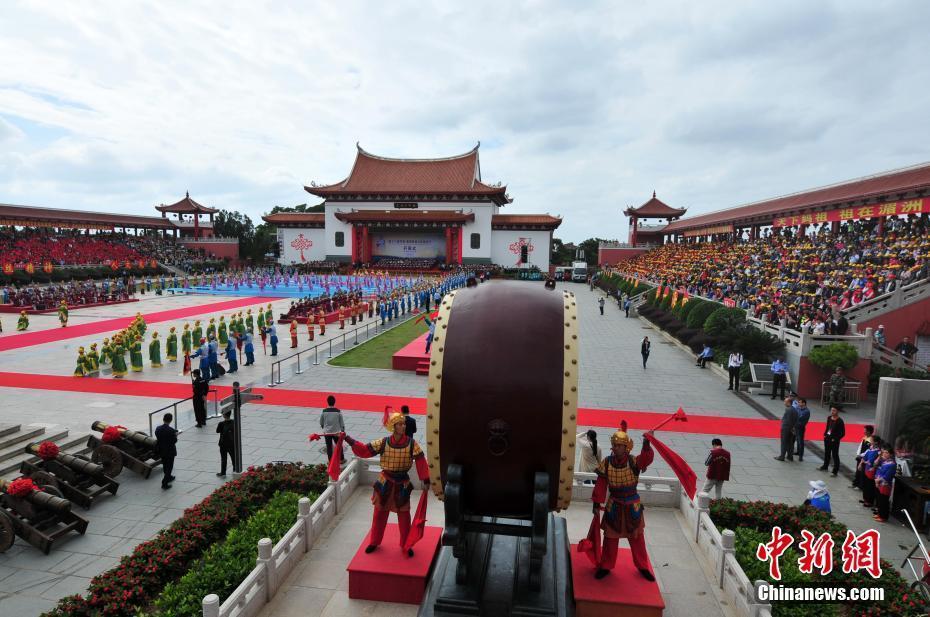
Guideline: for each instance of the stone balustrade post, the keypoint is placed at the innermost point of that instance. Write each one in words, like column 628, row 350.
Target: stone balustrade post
column 303, row 515
column 265, row 561
column 211, row 605
column 728, row 547
column 703, row 507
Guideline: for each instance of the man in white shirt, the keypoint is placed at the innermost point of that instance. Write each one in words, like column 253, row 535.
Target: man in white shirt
column 734, row 364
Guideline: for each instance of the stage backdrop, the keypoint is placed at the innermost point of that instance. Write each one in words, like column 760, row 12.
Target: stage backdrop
column 405, row 244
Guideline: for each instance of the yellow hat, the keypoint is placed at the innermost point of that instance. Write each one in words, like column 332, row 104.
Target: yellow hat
column 154, row 334
column 620, row 437
column 80, row 350
column 393, row 420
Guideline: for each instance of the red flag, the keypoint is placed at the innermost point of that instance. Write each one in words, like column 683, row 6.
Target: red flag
column 334, row 463
column 591, row 546
column 418, row 526
column 387, row 415
column 685, row 474
column 187, row 363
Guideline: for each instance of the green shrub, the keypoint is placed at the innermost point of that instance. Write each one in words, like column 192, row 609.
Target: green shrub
column 828, row 357
column 756, row 345
column 225, row 565
column 725, row 322
column 686, row 309
column 877, row 371
column 666, row 303
column 700, row 313
column 651, row 296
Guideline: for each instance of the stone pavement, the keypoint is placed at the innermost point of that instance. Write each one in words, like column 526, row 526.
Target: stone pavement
column 611, row 377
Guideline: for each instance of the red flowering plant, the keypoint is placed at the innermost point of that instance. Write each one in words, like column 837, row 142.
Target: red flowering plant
column 21, row 487
column 133, row 585
column 48, row 450
column 762, row 516
column 112, row 433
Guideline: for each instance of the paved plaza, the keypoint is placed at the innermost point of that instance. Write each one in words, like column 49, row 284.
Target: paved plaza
column 612, row 377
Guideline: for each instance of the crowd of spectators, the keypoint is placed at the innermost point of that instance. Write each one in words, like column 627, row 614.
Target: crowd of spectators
column 74, row 294
column 62, row 248
column 78, row 248
column 799, row 281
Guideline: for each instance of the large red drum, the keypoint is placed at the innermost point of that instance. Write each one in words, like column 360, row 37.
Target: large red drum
column 503, row 395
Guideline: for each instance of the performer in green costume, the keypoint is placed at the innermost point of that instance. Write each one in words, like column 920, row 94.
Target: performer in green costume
column 171, row 345
column 135, row 354
column 155, row 351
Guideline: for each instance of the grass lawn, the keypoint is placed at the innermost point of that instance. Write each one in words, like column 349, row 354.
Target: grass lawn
column 377, row 352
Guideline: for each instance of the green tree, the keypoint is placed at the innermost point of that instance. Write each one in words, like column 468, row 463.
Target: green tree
column 828, row 357
column 561, row 254
column 589, row 247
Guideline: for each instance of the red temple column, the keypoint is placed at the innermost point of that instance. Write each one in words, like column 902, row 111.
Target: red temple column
column 354, row 245
column 460, row 233
column 448, row 245
column 635, row 225
column 196, row 225
column 364, row 253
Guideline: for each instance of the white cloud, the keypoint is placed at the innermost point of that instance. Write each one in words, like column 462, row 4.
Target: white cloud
column 581, row 109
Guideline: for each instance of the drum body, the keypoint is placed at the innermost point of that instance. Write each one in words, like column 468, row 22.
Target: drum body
column 503, row 395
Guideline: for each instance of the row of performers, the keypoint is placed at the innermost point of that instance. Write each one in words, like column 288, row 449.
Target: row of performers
column 22, row 324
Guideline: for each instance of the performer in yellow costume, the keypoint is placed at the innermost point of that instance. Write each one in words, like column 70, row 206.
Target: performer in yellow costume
column 392, row 489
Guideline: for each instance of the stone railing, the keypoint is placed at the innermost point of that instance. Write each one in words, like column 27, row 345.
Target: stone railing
column 276, row 562
column 801, row 343
column 720, row 549
column 885, row 303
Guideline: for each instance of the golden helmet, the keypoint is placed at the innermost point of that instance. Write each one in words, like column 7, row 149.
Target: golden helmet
column 393, row 420
column 620, row 437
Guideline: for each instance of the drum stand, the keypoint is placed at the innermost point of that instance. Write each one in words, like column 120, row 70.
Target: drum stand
column 498, row 565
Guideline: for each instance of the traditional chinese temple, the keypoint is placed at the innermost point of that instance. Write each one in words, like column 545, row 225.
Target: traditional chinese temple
column 431, row 210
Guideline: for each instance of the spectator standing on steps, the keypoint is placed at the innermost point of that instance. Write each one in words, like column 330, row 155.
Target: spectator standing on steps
column 779, row 377
column 644, row 350
column 626, row 305
column 332, row 424
column 789, row 423
column 734, row 365
column 833, row 434
column 167, row 439
column 906, row 349
column 600, row 304
column 718, row 468
column 804, row 416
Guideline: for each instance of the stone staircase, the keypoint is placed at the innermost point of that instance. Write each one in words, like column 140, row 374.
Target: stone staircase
column 422, row 367
column 15, row 437
column 180, row 273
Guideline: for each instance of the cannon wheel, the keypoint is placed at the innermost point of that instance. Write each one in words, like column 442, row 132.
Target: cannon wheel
column 7, row 535
column 111, row 459
column 44, row 478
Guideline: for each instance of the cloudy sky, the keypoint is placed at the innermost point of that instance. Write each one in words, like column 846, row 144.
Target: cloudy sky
column 581, row 108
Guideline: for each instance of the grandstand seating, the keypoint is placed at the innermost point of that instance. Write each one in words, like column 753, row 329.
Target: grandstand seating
column 796, row 281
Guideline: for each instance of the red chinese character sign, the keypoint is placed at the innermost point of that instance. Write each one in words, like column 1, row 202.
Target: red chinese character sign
column 29, row 268
column 47, row 267
column 302, row 243
column 891, row 208
column 517, row 249
column 8, row 268
column 858, row 552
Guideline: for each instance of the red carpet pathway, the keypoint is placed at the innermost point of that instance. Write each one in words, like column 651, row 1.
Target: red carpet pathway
column 374, row 403
column 39, row 337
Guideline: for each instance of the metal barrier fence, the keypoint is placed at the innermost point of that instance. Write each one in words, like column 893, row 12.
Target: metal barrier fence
column 370, row 330
column 213, row 411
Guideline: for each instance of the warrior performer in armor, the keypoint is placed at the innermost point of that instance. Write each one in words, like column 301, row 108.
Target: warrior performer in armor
column 617, row 477
column 392, row 489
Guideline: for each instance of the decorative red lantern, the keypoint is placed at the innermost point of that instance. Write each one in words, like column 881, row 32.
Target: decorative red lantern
column 47, row 267
column 153, row 263
column 141, row 264
column 8, row 268
column 114, row 265
column 29, row 268
column 128, row 264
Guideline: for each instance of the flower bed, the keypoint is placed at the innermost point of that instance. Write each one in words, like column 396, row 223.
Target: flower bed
column 138, row 579
column 753, row 522
column 224, row 566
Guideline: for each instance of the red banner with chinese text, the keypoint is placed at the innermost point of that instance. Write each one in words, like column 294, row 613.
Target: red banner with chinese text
column 29, row 268
column 47, row 267
column 891, row 208
column 8, row 268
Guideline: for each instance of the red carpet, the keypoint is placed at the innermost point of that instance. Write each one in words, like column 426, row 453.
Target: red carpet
column 388, row 575
column 623, row 592
column 312, row 401
column 40, row 337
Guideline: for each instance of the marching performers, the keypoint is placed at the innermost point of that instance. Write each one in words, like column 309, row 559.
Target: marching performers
column 93, row 361
column 197, row 332
column 63, row 314
column 321, row 320
column 269, row 316
column 392, row 489
column 171, row 345
column 105, row 351
column 221, row 332
column 261, row 320
column 135, row 354
column 310, row 327
column 23, row 322
column 80, row 369
column 118, row 357
column 186, row 340
column 250, row 322
column 155, row 351
column 211, row 329
column 617, row 477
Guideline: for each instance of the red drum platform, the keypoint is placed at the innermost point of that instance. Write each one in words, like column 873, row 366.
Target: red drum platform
column 388, row 575
column 622, row 592
column 411, row 357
